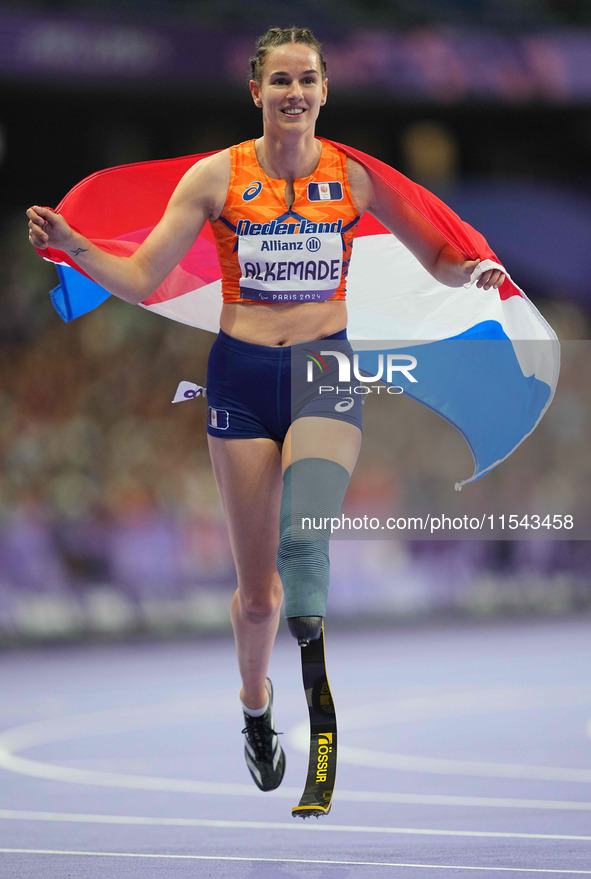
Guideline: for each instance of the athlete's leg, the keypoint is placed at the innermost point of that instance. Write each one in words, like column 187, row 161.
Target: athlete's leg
column 319, row 455
column 248, row 474
column 317, row 437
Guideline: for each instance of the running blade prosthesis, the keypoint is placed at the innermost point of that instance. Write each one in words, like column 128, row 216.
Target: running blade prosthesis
column 322, row 766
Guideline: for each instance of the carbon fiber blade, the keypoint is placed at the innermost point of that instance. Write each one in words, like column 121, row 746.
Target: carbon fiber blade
column 322, row 765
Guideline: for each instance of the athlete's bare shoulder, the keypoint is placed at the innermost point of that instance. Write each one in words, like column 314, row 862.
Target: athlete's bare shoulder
column 360, row 183
column 207, row 181
column 216, row 165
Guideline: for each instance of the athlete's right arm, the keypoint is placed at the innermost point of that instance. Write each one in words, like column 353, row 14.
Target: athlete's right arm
column 199, row 195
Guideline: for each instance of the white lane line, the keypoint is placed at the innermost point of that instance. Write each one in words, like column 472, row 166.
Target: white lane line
column 40, row 851
column 421, row 708
column 441, row 766
column 55, row 772
column 119, row 780
column 141, row 820
column 449, row 800
column 347, row 754
column 66, row 728
column 434, row 705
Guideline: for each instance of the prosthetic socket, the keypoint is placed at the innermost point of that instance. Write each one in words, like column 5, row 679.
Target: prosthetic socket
column 313, row 493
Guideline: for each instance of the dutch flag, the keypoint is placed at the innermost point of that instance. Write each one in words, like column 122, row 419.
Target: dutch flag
column 487, row 360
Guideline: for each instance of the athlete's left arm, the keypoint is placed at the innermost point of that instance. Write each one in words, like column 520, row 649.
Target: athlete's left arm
column 371, row 194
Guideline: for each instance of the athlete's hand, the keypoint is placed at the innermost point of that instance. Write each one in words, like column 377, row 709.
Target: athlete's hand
column 48, row 229
column 490, row 278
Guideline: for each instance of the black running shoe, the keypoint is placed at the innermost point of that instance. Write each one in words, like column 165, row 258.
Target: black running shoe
column 264, row 755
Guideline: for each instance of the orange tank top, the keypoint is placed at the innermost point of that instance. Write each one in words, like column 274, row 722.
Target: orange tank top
column 272, row 253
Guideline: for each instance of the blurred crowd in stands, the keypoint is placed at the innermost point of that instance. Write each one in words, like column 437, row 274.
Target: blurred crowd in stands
column 107, row 493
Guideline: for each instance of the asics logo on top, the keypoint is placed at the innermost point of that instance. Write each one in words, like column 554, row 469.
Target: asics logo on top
column 253, row 190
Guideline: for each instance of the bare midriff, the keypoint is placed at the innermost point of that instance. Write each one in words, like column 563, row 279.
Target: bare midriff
column 283, row 324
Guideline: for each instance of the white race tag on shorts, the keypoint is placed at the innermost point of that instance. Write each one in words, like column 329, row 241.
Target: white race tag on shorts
column 188, row 391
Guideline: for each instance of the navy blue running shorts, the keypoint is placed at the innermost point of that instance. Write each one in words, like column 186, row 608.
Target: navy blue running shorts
column 259, row 391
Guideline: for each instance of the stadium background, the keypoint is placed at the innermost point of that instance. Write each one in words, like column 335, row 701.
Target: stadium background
column 110, row 523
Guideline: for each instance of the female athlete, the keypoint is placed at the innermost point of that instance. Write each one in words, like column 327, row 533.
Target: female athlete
column 285, row 191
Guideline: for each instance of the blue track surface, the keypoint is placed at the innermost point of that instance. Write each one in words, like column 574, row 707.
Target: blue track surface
column 464, row 751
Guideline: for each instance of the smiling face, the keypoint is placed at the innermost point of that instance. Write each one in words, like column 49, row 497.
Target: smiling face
column 292, row 88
